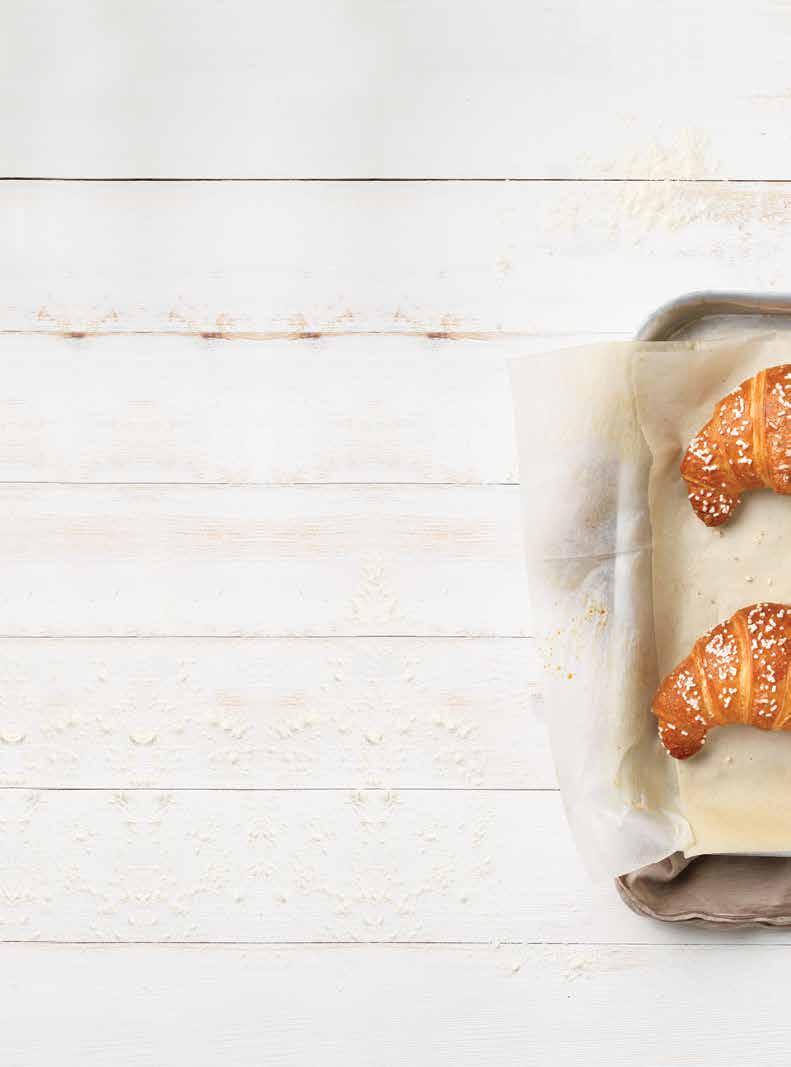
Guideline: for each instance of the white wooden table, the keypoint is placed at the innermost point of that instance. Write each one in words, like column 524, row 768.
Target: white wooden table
column 272, row 789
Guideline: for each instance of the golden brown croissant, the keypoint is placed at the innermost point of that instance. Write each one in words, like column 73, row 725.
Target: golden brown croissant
column 736, row 673
column 746, row 444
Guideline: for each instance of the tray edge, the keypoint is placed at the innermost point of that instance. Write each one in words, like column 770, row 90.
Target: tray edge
column 670, row 318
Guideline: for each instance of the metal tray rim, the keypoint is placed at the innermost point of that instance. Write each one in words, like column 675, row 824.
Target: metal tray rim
column 678, row 314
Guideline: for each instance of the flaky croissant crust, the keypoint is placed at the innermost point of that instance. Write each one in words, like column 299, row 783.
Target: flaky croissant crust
column 746, row 444
column 736, row 673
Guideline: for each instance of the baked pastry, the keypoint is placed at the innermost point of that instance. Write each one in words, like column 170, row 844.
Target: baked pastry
column 746, row 444
column 736, row 673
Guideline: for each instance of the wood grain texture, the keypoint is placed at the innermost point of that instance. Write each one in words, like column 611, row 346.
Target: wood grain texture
column 689, row 88
column 647, row 101
column 187, row 409
column 450, row 1007
column 270, row 713
column 301, row 257
column 222, row 561
column 299, row 866
column 414, row 866
column 296, row 866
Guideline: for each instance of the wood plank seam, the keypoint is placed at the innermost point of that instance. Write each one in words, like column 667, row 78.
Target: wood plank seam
column 385, row 789
column 414, row 180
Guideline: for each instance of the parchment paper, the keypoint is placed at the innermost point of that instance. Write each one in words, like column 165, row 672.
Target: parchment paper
column 623, row 578
column 736, row 794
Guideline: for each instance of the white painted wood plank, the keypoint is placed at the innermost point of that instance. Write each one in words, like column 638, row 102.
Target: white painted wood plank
column 416, row 866
column 389, row 1005
column 270, row 713
column 425, row 257
column 137, row 408
column 294, row 866
column 227, row 561
column 686, row 87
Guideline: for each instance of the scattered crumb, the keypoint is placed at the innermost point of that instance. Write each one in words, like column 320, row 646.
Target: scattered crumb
column 578, row 966
column 596, row 611
column 748, row 578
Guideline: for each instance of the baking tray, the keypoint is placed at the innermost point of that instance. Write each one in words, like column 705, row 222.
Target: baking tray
column 708, row 314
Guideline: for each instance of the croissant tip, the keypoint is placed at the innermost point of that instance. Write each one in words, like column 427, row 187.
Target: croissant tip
column 681, row 750
column 685, row 754
column 714, row 520
column 713, row 507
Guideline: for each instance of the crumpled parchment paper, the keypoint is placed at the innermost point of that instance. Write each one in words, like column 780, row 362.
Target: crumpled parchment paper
column 623, row 578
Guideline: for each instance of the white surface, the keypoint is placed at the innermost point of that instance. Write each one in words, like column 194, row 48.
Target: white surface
column 446, row 1006
column 413, row 89
column 304, row 561
column 295, row 257
column 327, row 410
column 280, row 713
column 320, row 730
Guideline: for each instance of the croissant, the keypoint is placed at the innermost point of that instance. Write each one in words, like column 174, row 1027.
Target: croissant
column 736, row 673
column 746, row 444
